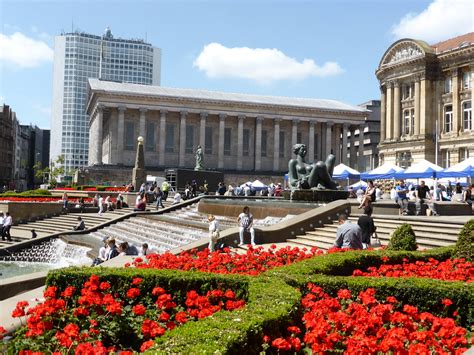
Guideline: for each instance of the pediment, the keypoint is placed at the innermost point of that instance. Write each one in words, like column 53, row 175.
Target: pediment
column 402, row 51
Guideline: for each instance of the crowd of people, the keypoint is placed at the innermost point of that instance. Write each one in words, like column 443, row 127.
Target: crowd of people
column 420, row 194
column 110, row 250
column 272, row 190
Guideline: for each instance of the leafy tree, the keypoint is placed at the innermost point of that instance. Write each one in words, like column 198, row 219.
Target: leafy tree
column 53, row 171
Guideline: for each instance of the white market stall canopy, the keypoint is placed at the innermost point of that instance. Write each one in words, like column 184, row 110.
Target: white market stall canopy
column 342, row 172
column 462, row 169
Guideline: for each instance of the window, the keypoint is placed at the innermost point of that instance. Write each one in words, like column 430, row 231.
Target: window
column 412, row 125
column 169, row 144
column 404, row 159
column 246, row 142
column 150, row 137
column 466, row 80
column 129, row 135
column 448, row 118
column 189, row 145
column 445, row 158
column 281, row 148
column 227, row 140
column 208, row 149
column 448, row 85
column 463, row 154
column 264, row 143
column 406, row 122
column 407, row 91
column 467, row 115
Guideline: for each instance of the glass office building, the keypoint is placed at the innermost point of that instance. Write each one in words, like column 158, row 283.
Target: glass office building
column 79, row 56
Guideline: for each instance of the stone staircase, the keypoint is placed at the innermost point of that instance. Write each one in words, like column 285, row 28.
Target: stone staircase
column 64, row 222
column 430, row 232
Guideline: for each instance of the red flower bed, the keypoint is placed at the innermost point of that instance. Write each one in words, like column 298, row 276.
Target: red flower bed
column 449, row 270
column 95, row 320
column 253, row 262
column 368, row 326
column 42, row 199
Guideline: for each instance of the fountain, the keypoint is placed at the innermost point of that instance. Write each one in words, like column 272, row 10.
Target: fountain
column 48, row 255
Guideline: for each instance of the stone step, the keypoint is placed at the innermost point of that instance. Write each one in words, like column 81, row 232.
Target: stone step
column 435, row 221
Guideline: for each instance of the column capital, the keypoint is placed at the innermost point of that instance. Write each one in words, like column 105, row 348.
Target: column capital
column 345, row 125
column 100, row 107
column 295, row 122
column 241, row 117
column 222, row 116
column 121, row 108
column 277, row 119
column 163, row 112
column 311, row 123
column 454, row 72
column 203, row 114
column 260, row 119
column 183, row 114
column 329, row 123
column 143, row 110
column 396, row 84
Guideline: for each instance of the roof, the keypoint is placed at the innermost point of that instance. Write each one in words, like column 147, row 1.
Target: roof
column 160, row 91
column 454, row 43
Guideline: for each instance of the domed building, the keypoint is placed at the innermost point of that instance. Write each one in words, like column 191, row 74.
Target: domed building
column 426, row 103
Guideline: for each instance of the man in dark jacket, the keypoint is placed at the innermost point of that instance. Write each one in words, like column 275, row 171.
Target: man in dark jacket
column 366, row 224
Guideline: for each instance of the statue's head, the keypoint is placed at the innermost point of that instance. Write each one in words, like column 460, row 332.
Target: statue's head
column 299, row 149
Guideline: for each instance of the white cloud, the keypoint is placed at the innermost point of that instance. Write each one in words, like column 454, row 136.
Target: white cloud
column 263, row 65
column 441, row 20
column 23, row 51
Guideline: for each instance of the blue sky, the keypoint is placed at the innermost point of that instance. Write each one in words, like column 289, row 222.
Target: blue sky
column 319, row 49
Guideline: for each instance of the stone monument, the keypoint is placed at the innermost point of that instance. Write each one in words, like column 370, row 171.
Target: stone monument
column 139, row 173
column 312, row 181
column 199, row 159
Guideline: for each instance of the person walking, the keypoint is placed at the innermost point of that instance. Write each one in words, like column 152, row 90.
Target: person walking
column 7, row 224
column 101, row 205
column 245, row 221
column 165, row 187
column 65, row 202
column 367, row 226
column 213, row 231
column 349, row 235
column 159, row 197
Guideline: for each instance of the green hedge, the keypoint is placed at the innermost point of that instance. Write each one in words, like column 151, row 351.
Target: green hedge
column 273, row 298
column 28, row 193
column 271, row 305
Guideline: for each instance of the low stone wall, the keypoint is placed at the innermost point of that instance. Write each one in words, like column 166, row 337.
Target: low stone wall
column 260, row 207
column 30, row 211
column 19, row 284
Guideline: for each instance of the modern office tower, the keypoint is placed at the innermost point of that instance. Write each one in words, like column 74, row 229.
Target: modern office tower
column 79, row 56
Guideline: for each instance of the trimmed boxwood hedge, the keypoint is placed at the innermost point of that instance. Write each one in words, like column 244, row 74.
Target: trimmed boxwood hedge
column 273, row 298
column 28, row 193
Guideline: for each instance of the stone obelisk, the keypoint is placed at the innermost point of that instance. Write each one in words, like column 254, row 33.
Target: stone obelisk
column 139, row 173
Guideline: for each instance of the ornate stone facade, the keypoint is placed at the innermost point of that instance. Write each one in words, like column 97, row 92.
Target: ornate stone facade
column 237, row 132
column 426, row 103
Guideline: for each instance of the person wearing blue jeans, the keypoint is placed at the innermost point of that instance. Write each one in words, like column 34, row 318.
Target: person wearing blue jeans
column 245, row 221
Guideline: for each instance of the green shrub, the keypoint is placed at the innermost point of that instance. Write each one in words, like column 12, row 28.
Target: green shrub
column 403, row 238
column 28, row 193
column 465, row 244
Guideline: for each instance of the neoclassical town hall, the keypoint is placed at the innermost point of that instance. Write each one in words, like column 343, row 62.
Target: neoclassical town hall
column 237, row 132
column 426, row 105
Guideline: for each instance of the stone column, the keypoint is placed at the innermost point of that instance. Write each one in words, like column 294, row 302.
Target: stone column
column 276, row 145
column 240, row 141
column 161, row 145
column 352, row 152
column 142, row 122
column 344, row 143
column 396, row 111
column 383, row 113
column 361, row 147
column 329, row 149
column 389, row 112
column 417, row 107
column 423, row 106
column 202, row 131
column 258, row 144
column 100, row 124
column 294, row 132
column 337, row 142
column 311, row 142
column 182, row 138
column 220, row 162
column 323, row 153
column 457, row 125
column 120, row 133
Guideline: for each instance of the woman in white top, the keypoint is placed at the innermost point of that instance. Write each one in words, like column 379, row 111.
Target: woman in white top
column 213, row 231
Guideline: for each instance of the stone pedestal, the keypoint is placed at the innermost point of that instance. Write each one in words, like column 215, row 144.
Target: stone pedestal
column 139, row 172
column 315, row 195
